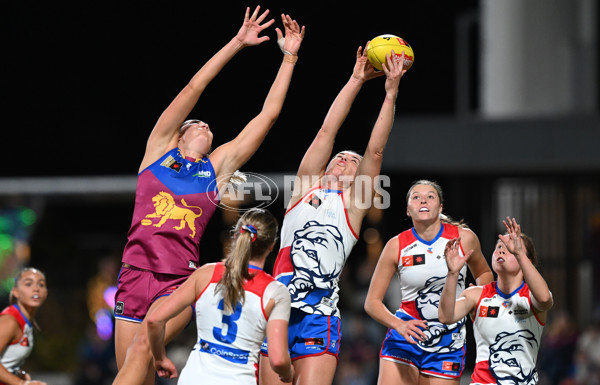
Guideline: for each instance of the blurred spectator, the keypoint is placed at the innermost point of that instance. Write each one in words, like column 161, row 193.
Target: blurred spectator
column 100, row 296
column 587, row 356
column 96, row 351
column 96, row 357
column 359, row 354
column 558, row 347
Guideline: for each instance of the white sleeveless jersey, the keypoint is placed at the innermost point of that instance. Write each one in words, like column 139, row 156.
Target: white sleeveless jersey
column 422, row 272
column 14, row 355
column 316, row 239
column 228, row 344
column 508, row 334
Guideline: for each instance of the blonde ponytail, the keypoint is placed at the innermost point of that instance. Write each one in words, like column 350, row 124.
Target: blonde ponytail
column 253, row 235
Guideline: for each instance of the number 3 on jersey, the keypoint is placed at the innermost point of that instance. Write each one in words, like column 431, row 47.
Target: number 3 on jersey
column 228, row 320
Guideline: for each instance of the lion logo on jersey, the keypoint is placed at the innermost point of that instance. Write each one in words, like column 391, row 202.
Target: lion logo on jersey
column 314, row 276
column 427, row 303
column 506, row 363
column 165, row 208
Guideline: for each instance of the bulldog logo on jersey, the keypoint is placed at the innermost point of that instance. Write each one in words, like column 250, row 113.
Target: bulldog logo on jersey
column 166, row 209
column 314, row 277
column 439, row 337
column 505, row 361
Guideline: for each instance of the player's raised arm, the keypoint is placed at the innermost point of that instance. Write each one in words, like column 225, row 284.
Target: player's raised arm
column 232, row 155
column 166, row 132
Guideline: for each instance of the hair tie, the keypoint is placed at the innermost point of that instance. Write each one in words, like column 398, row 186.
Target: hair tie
column 251, row 229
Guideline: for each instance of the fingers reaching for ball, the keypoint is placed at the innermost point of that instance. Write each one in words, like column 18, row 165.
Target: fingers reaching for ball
column 252, row 27
column 294, row 35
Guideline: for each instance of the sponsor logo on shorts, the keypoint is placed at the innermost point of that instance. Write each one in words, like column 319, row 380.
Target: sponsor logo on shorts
column 451, row 366
column 119, row 307
column 313, row 341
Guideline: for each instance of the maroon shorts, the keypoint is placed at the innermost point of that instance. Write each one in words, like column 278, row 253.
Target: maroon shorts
column 137, row 289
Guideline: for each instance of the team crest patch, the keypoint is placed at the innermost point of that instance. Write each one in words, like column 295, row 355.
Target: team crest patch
column 165, row 208
column 413, row 260
column 119, row 307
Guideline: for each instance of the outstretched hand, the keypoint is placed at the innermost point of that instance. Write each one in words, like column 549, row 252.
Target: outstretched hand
column 363, row 69
column 512, row 240
column 293, row 35
column 394, row 70
column 249, row 31
column 454, row 260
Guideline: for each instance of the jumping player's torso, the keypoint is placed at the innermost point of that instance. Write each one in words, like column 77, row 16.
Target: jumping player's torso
column 422, row 272
column 228, row 344
column 508, row 335
column 15, row 354
column 175, row 199
column 316, row 240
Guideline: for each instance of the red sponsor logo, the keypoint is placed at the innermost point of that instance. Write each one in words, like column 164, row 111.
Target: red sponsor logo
column 451, row 366
column 489, row 311
column 413, row 260
column 313, row 341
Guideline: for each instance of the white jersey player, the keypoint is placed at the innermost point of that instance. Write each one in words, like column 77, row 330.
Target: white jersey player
column 316, row 240
column 417, row 347
column 17, row 324
column 508, row 315
column 237, row 305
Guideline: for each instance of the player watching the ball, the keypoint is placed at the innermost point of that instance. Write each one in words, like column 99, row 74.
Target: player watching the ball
column 321, row 225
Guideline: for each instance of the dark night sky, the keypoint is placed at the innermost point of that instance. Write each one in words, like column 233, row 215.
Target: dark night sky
column 84, row 82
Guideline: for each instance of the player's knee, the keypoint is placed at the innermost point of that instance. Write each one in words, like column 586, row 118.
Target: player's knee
column 141, row 345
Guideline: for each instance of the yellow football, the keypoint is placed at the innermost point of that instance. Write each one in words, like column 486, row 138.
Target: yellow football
column 383, row 45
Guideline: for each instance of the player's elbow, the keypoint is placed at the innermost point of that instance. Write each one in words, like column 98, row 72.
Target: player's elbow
column 376, row 153
column 369, row 306
column 546, row 302
column 279, row 362
column 444, row 318
column 270, row 115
